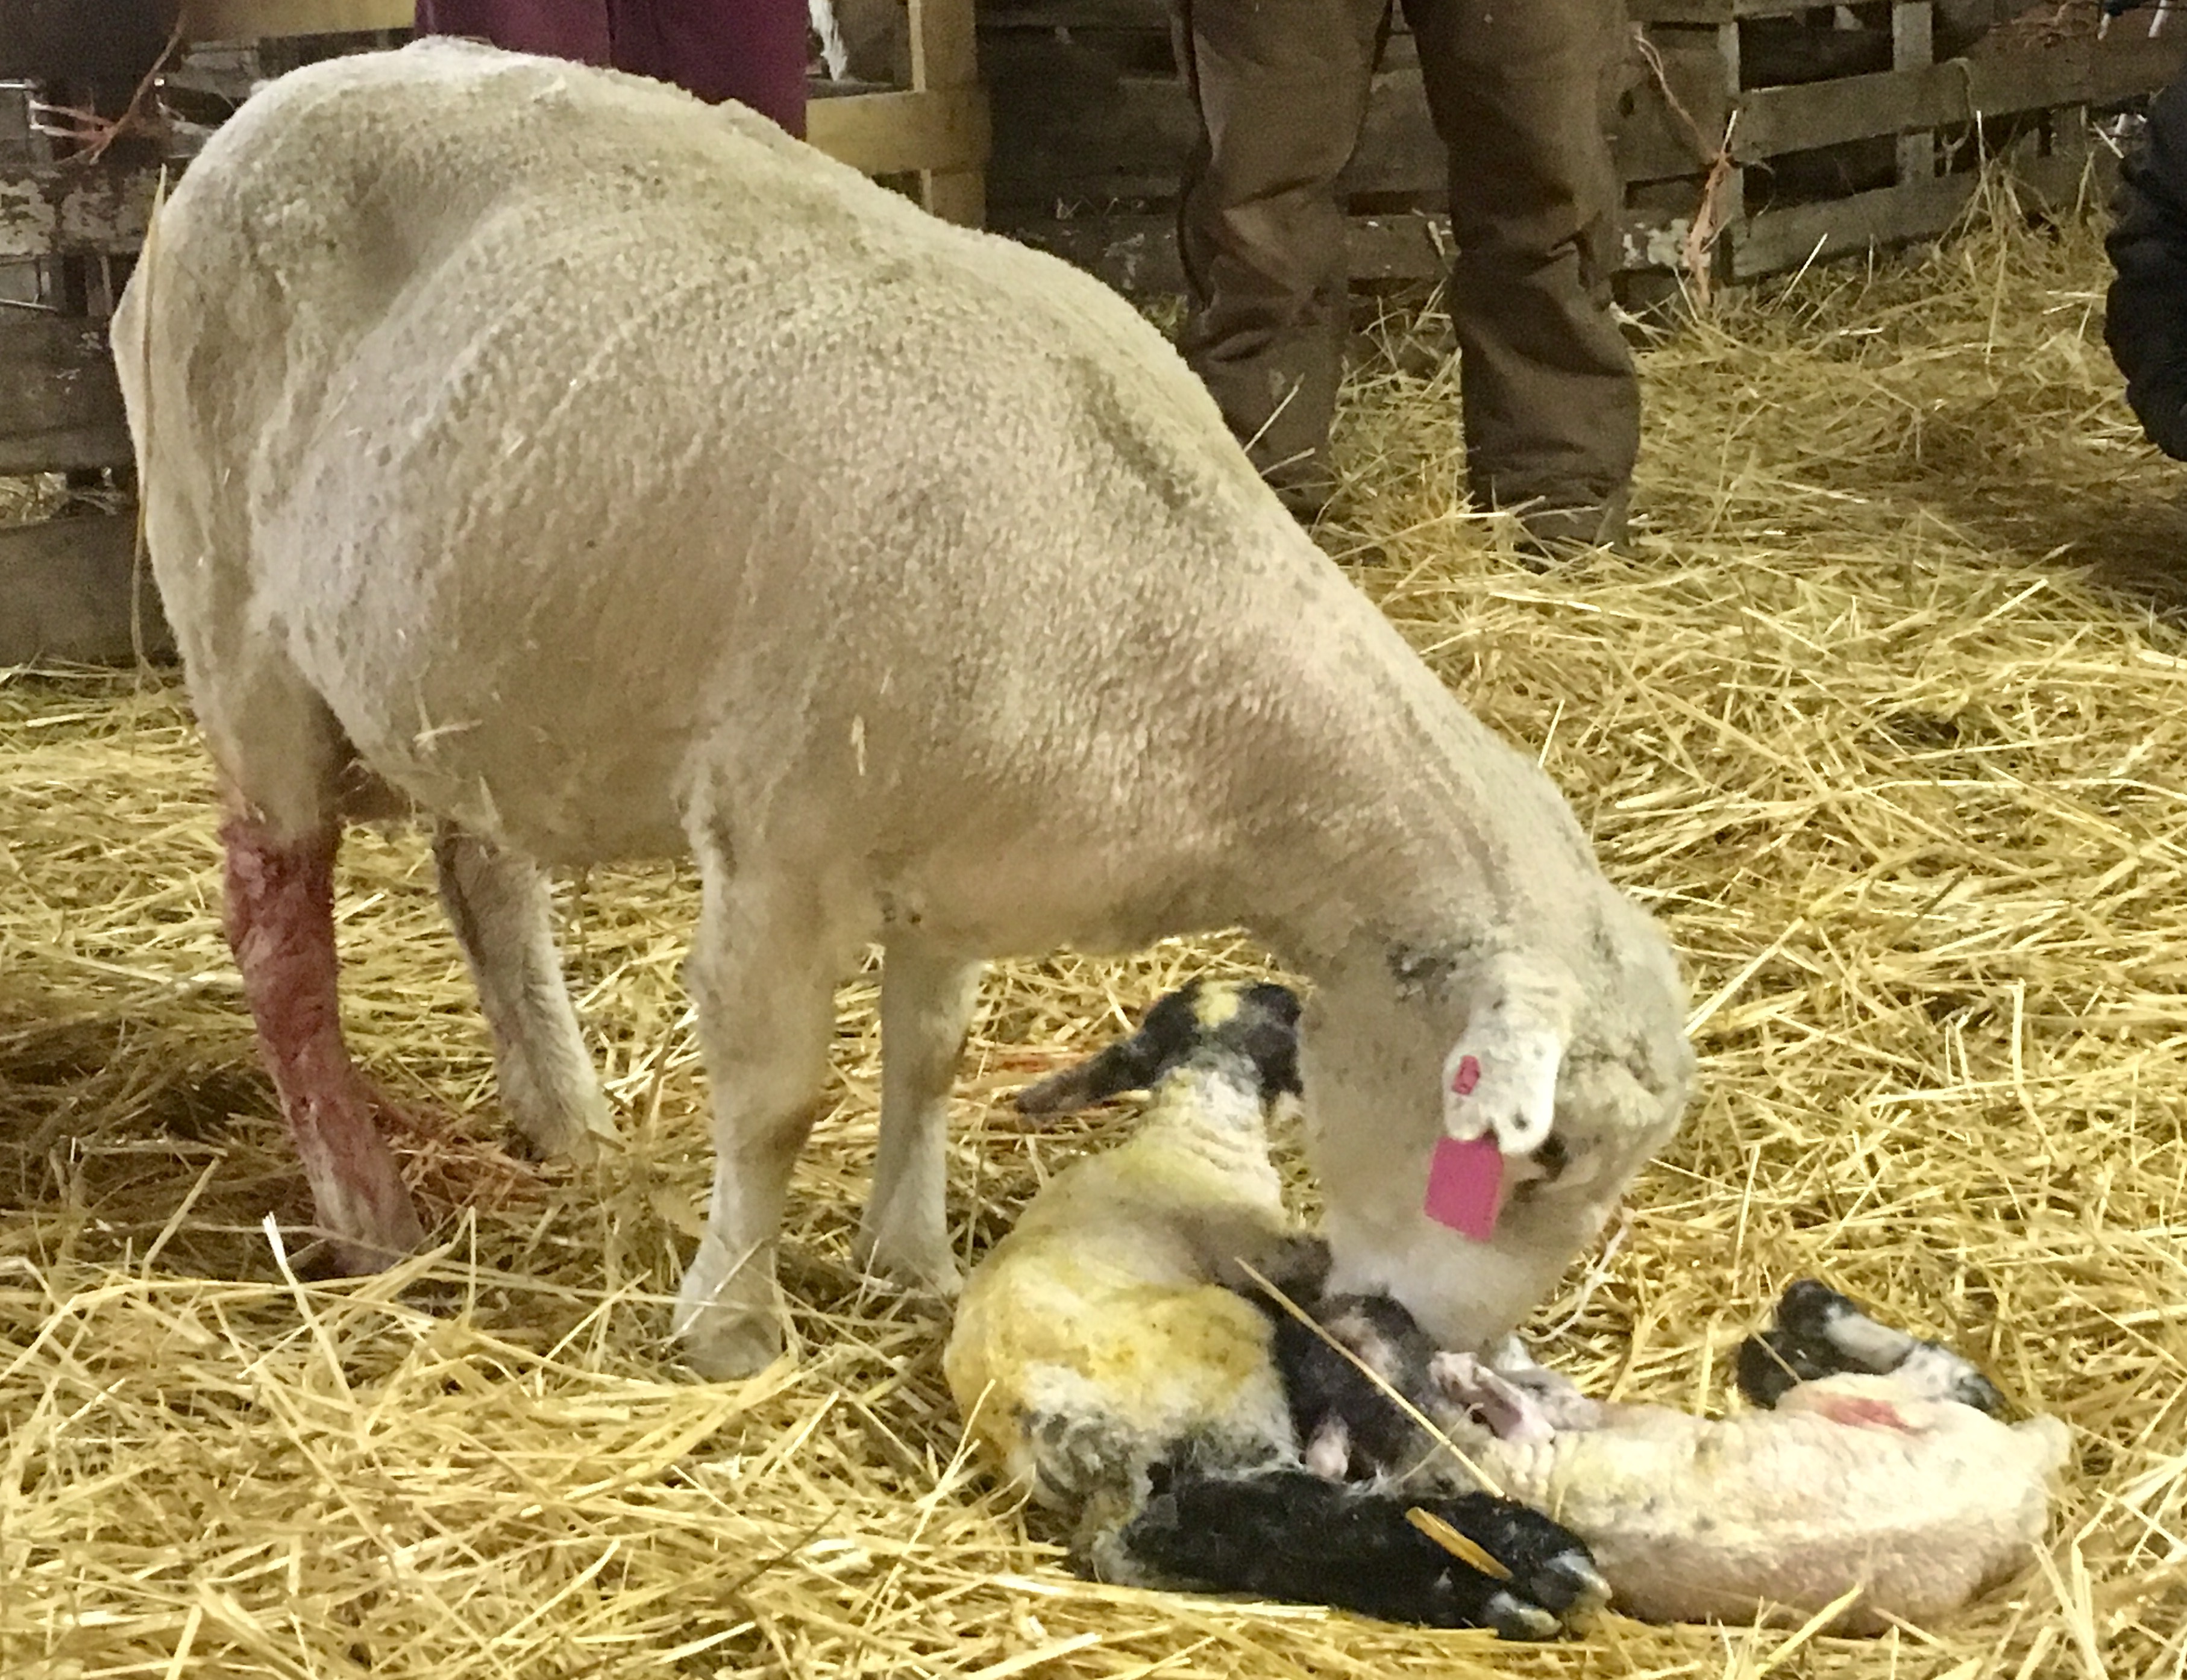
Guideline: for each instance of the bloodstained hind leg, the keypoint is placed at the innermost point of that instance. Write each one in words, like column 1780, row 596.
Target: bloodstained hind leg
column 280, row 924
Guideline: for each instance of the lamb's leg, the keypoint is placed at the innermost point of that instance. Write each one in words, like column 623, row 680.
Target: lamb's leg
column 927, row 1000
column 1819, row 1333
column 1509, row 1410
column 279, row 917
column 761, row 973
column 499, row 905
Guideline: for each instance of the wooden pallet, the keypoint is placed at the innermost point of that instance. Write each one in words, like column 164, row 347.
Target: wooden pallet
column 1907, row 134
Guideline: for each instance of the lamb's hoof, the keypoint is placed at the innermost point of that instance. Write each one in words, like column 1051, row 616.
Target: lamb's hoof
column 1550, row 1583
column 1560, row 1595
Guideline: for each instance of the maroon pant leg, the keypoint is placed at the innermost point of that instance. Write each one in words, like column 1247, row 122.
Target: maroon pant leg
column 556, row 29
column 751, row 51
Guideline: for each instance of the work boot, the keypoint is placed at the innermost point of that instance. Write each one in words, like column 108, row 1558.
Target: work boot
column 1550, row 533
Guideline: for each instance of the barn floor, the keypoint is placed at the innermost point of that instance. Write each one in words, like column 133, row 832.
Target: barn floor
column 1880, row 719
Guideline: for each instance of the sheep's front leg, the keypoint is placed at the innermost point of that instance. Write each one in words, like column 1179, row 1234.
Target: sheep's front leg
column 761, row 974
column 499, row 905
column 927, row 1000
column 280, row 922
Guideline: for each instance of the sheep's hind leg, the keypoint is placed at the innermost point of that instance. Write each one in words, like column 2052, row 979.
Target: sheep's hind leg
column 927, row 1001
column 761, row 972
column 499, row 905
column 279, row 920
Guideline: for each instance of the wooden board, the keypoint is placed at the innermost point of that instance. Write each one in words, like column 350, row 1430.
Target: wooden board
column 262, row 19
column 74, row 210
column 1137, row 252
column 65, row 591
column 60, row 406
column 1776, row 241
column 1773, row 120
column 901, row 132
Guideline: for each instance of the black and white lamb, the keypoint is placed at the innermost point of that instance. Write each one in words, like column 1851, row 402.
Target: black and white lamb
column 1101, row 1354
column 1874, row 1463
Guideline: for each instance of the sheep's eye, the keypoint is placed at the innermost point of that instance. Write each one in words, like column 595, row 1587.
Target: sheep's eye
column 1551, row 1157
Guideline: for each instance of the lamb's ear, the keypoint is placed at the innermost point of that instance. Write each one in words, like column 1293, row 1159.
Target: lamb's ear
column 1118, row 1069
column 1132, row 1063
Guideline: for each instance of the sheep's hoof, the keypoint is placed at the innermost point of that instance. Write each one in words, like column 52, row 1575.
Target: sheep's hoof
column 727, row 1346
column 927, row 1266
column 727, row 1317
column 580, row 1139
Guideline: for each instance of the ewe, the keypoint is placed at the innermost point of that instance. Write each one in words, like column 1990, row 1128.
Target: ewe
column 609, row 476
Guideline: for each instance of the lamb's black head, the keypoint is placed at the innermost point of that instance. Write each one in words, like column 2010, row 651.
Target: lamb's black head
column 1346, row 1423
column 1253, row 1024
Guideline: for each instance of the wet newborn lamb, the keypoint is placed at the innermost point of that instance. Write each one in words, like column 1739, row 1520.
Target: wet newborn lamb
column 1883, row 1465
column 1098, row 1354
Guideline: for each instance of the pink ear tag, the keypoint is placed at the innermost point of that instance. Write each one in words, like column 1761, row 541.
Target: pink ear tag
column 1466, row 1186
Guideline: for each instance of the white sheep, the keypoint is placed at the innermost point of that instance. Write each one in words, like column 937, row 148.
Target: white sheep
column 608, row 476
column 1104, row 1357
column 1881, row 1471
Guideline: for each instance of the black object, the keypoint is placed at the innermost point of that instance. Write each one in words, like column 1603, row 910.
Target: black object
column 2145, row 311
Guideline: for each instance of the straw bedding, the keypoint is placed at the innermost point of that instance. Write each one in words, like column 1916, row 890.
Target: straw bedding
column 1879, row 718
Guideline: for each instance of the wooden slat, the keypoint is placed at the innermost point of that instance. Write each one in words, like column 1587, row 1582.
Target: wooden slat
column 1773, row 120
column 902, row 133
column 60, row 407
column 1137, row 253
column 945, row 59
column 65, row 589
column 264, row 20
column 1712, row 11
column 1775, row 241
column 73, row 210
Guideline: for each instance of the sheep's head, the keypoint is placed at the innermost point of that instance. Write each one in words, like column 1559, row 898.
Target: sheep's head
column 1566, row 1063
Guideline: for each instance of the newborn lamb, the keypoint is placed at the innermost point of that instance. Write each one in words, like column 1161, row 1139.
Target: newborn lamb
column 1098, row 1354
column 1883, row 1466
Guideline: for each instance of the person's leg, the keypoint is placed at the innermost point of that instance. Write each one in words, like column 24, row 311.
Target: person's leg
column 751, row 51
column 556, row 29
column 1552, row 402
column 1280, row 87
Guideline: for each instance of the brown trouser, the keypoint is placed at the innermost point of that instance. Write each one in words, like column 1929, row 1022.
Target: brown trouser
column 1517, row 89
